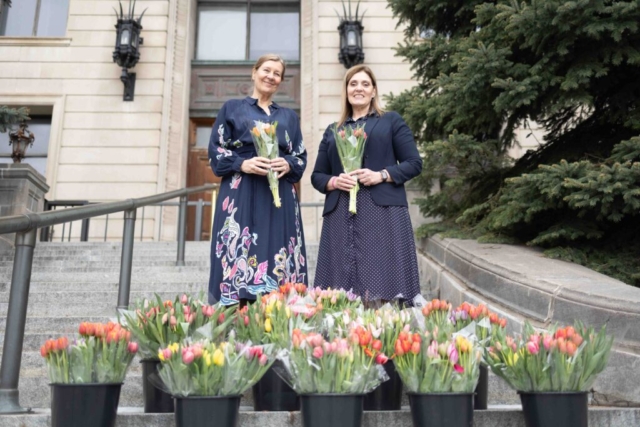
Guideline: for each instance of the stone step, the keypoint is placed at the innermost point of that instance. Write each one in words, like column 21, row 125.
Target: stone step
column 115, row 269
column 497, row 416
column 114, row 276
column 175, row 287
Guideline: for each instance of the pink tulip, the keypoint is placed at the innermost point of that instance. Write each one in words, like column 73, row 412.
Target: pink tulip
column 132, row 347
column 165, row 318
column 533, row 347
column 263, row 360
column 326, row 347
column 452, row 353
column 166, row 353
column 317, row 352
column 191, row 317
column 184, row 299
column 187, row 357
column 458, row 368
column 535, row 339
column 546, row 342
column 432, row 350
column 173, row 321
column 381, row 359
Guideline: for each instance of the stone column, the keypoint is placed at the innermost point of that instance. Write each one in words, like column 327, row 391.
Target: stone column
column 22, row 191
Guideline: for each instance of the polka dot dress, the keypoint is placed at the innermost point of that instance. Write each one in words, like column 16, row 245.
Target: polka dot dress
column 372, row 252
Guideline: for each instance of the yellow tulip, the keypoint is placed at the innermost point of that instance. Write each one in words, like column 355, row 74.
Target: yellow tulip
column 218, row 358
column 287, row 310
column 161, row 356
column 267, row 325
column 208, row 360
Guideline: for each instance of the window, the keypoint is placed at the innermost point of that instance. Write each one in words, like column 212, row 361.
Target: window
column 41, row 18
column 246, row 30
column 36, row 155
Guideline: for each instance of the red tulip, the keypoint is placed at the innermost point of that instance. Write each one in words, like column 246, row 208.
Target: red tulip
column 132, row 347
column 43, row 351
column 415, row 348
column 381, row 359
column 376, row 345
column 263, row 359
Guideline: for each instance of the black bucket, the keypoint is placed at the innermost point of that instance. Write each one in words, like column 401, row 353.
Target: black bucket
column 441, row 409
column 84, row 405
column 271, row 393
column 332, row 410
column 388, row 396
column 480, row 400
column 155, row 400
column 549, row 409
column 207, row 411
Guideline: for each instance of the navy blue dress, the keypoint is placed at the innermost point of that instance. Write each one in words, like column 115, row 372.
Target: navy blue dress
column 255, row 247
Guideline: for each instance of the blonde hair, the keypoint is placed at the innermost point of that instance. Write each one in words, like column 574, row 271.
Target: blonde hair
column 270, row 57
column 347, row 109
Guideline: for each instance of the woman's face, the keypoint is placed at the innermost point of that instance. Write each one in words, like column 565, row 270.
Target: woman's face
column 360, row 90
column 267, row 77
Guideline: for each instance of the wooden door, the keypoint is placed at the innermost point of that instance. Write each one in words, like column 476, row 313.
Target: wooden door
column 199, row 173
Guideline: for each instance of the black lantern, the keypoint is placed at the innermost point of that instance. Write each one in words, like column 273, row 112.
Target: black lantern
column 350, row 28
column 128, row 43
column 19, row 140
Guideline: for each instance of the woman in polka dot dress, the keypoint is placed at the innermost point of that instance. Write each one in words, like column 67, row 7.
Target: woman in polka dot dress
column 372, row 252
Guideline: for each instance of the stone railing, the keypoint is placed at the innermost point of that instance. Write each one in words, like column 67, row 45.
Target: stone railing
column 520, row 283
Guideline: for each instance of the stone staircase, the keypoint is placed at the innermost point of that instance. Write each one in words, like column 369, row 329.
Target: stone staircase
column 75, row 282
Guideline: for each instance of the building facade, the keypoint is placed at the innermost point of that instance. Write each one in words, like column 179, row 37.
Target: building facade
column 56, row 58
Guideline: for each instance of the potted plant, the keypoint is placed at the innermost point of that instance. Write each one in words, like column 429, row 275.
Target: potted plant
column 332, row 376
column 207, row 379
column 86, row 375
column 552, row 371
column 270, row 320
column 156, row 323
column 484, row 324
column 440, row 372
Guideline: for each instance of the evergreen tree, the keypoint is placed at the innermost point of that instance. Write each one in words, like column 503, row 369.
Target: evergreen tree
column 11, row 116
column 485, row 69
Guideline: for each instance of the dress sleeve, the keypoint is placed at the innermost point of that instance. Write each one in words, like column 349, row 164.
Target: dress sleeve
column 322, row 172
column 297, row 157
column 404, row 147
column 223, row 160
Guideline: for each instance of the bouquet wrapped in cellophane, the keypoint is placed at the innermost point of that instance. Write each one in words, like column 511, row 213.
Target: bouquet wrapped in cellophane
column 102, row 354
column 437, row 362
column 265, row 140
column 205, row 368
column 156, row 323
column 350, row 365
column 564, row 359
column 350, row 143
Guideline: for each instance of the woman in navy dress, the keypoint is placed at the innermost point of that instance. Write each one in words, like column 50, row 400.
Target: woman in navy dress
column 372, row 252
column 256, row 247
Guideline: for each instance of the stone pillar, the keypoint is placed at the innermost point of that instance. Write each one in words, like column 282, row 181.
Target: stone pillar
column 22, row 191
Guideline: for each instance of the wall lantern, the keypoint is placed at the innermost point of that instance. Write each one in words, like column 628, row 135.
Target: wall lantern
column 19, row 140
column 350, row 28
column 128, row 43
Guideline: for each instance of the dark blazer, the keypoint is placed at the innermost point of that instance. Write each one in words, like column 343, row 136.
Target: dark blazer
column 389, row 146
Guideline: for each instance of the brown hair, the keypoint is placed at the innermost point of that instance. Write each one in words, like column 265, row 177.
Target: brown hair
column 270, row 57
column 347, row 110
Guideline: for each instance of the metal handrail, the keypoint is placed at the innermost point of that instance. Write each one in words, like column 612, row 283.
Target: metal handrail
column 26, row 227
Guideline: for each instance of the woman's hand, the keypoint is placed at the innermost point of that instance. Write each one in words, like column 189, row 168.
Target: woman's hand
column 367, row 177
column 256, row 166
column 344, row 182
column 280, row 165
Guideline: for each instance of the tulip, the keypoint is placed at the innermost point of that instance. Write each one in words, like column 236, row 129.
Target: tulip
column 406, row 346
column 381, row 359
column 570, row 332
column 43, row 351
column 218, row 357
column 561, row 333
column 167, row 353
column 317, row 352
column 262, row 360
column 577, row 339
column 398, row 348
column 415, row 347
column 533, row 347
column 546, row 342
column 376, row 345
column 165, row 318
column 458, row 368
column 184, row 299
column 221, row 318
column 173, row 321
column 132, row 347
column 432, row 350
column 562, row 345
column 571, row 348
column 452, row 353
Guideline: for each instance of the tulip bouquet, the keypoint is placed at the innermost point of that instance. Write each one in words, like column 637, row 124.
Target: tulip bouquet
column 333, row 300
column 565, row 359
column 343, row 365
column 485, row 323
column 435, row 313
column 437, row 362
column 265, row 140
column 350, row 144
column 208, row 369
column 102, row 354
column 156, row 323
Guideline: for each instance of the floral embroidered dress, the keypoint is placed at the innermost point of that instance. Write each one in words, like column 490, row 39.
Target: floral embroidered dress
column 255, row 247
